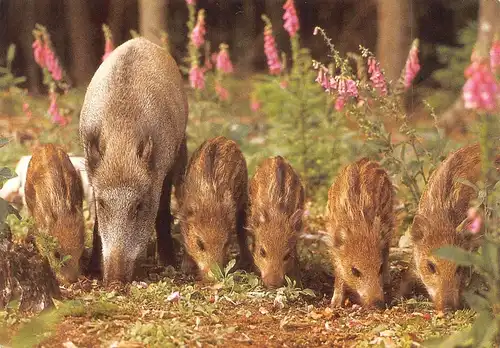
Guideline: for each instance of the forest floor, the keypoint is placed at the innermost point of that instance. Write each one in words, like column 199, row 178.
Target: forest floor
column 167, row 308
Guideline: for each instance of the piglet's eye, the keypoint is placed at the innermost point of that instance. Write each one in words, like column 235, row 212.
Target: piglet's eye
column 287, row 256
column 355, row 272
column 262, row 252
column 200, row 244
column 381, row 270
column 431, row 267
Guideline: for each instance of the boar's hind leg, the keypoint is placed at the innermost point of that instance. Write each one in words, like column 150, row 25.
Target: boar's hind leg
column 164, row 242
column 94, row 267
column 179, row 171
column 246, row 260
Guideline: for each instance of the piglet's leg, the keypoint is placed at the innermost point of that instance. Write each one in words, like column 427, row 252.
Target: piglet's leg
column 339, row 293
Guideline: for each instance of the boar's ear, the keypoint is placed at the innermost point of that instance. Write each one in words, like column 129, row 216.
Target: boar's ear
column 296, row 220
column 145, row 151
column 418, row 227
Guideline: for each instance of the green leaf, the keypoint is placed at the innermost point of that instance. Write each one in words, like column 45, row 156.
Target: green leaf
column 485, row 329
column 6, row 173
column 458, row 339
column 459, row 255
column 229, row 266
column 6, row 209
column 476, row 302
column 489, row 250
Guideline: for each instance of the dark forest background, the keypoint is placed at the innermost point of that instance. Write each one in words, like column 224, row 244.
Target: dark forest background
column 385, row 26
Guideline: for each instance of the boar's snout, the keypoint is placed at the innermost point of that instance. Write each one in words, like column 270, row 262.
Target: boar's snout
column 273, row 280
column 71, row 271
column 118, row 267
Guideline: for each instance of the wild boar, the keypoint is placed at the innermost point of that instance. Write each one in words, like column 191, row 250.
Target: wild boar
column 133, row 127
column 54, row 197
column 275, row 220
column 442, row 208
column 213, row 210
column 360, row 223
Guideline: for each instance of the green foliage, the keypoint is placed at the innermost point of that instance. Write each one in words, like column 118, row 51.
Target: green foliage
column 5, row 208
column 7, row 78
column 303, row 126
column 454, row 59
column 42, row 326
column 410, row 159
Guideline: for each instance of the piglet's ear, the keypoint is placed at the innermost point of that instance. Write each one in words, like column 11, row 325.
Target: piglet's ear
column 296, row 220
column 418, row 227
column 338, row 238
column 145, row 151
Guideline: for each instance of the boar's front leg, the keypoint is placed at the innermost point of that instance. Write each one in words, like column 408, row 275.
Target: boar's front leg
column 339, row 292
column 94, row 267
column 164, row 242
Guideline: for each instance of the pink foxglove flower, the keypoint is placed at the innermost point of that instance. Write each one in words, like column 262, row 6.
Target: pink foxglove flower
column 495, row 55
column 108, row 48
column 174, row 297
column 345, row 88
column 376, row 76
column 255, row 104
column 481, row 89
column 198, row 33
column 52, row 63
column 54, row 111
column 412, row 66
column 197, row 77
column 223, row 61
column 191, row 2
column 222, row 92
column 108, row 45
column 271, row 52
column 291, row 20
column 26, row 110
column 475, row 221
column 39, row 52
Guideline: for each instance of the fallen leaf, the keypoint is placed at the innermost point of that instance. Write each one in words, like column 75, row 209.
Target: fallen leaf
column 262, row 310
column 315, row 315
column 386, row 333
column 69, row 344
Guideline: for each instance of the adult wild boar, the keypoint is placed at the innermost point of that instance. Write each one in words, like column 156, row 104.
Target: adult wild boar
column 132, row 127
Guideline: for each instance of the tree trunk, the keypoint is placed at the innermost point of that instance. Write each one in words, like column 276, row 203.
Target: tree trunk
column 23, row 25
column 488, row 25
column 116, row 19
column 152, row 19
column 395, row 21
column 245, row 37
column 83, row 62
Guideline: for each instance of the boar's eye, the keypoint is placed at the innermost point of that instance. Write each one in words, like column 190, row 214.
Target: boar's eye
column 262, row 252
column 101, row 204
column 431, row 267
column 381, row 269
column 287, row 256
column 200, row 244
column 139, row 207
column 355, row 272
